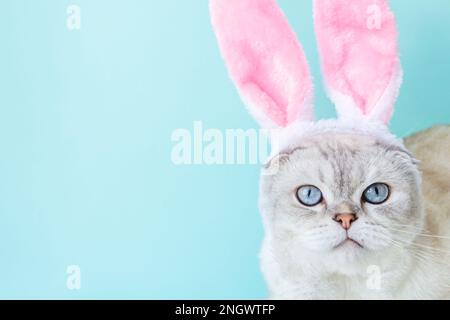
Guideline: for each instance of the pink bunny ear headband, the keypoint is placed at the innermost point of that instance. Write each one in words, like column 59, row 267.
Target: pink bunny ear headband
column 357, row 41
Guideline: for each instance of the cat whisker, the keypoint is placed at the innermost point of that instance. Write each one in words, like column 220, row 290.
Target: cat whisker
column 427, row 257
column 423, row 246
column 421, row 234
column 409, row 227
column 396, row 225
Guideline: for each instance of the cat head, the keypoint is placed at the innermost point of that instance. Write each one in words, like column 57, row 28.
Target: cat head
column 342, row 161
column 342, row 198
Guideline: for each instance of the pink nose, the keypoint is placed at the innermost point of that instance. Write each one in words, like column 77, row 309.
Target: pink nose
column 345, row 219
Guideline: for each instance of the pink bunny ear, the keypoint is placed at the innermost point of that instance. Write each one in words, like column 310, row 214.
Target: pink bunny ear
column 264, row 59
column 358, row 45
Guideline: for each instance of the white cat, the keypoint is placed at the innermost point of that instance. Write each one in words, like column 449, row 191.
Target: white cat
column 344, row 220
column 345, row 210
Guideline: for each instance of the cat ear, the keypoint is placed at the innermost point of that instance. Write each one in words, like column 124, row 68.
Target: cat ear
column 264, row 59
column 357, row 42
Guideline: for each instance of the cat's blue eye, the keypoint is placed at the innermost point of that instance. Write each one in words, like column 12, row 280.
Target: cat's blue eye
column 309, row 196
column 377, row 193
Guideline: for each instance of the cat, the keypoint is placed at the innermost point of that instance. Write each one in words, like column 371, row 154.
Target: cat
column 349, row 210
column 403, row 243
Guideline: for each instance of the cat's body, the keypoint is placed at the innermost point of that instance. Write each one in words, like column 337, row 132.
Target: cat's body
column 432, row 148
column 415, row 267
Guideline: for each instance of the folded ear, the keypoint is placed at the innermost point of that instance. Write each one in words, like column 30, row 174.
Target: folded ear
column 264, row 59
column 357, row 42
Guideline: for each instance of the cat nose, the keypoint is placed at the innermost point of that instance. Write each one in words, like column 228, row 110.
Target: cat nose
column 345, row 219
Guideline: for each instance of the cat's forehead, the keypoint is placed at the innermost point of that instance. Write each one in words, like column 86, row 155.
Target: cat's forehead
column 337, row 143
column 345, row 153
column 339, row 163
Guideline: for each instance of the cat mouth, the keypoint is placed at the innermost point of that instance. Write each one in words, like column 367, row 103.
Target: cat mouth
column 349, row 242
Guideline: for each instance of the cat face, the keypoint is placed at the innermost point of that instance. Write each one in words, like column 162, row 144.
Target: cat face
column 342, row 197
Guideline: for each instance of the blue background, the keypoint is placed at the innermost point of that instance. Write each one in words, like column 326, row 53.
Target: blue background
column 86, row 119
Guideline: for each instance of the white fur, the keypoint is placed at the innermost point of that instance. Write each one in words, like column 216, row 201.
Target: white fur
column 390, row 95
column 287, row 138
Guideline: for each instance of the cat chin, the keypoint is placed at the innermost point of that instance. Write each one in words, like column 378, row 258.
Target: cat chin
column 346, row 256
column 347, row 253
column 351, row 259
column 347, row 260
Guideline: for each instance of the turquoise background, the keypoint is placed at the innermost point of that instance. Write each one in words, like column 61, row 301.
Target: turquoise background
column 86, row 119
